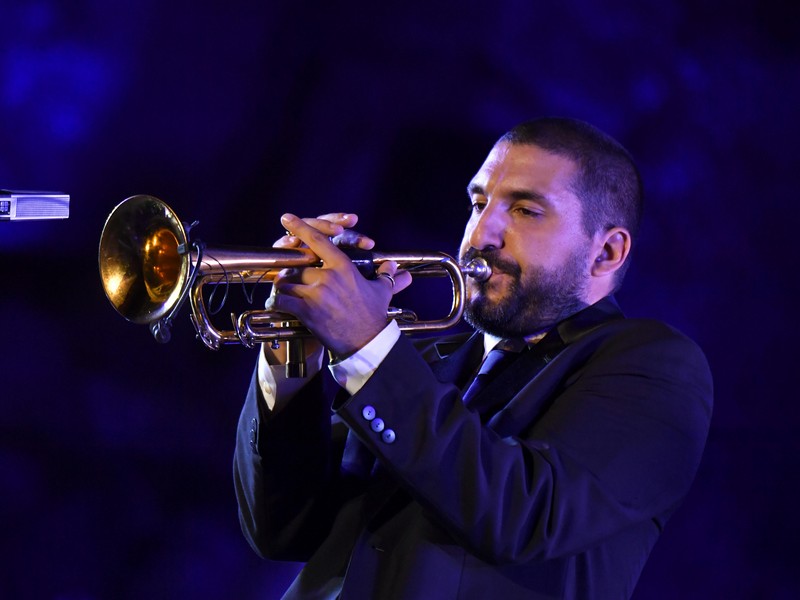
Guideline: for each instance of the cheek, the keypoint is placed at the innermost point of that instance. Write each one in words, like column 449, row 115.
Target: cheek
column 541, row 251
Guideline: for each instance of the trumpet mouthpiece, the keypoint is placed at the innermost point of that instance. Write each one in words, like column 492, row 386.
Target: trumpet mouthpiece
column 478, row 269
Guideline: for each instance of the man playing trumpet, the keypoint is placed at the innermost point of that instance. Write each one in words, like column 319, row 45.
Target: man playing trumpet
column 539, row 457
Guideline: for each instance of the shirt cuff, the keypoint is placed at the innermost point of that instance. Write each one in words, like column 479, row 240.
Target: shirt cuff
column 276, row 388
column 354, row 371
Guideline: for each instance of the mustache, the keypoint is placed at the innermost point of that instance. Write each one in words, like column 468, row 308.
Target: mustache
column 494, row 260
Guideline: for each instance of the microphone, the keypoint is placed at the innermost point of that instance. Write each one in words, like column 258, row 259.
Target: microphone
column 33, row 206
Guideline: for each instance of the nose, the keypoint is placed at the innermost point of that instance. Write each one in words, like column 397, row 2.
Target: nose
column 486, row 228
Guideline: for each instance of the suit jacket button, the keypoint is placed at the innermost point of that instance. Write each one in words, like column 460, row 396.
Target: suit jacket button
column 388, row 436
column 368, row 412
column 377, row 425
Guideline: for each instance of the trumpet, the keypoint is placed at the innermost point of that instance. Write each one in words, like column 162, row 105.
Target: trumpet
column 148, row 269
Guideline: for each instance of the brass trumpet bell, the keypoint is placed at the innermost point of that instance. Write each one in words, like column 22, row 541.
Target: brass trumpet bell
column 142, row 259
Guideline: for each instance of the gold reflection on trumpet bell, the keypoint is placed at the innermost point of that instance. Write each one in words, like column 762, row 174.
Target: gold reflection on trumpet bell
column 161, row 264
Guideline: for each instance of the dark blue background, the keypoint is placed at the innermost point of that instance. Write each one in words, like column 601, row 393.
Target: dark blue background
column 115, row 452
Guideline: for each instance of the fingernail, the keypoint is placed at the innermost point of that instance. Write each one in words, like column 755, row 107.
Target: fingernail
column 288, row 218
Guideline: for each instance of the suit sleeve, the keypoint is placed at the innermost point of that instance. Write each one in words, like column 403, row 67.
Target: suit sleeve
column 285, row 473
column 617, row 444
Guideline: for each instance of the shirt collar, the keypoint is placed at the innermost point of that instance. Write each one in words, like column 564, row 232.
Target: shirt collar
column 490, row 341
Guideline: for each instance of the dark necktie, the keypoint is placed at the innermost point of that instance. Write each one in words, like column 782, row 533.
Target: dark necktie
column 491, row 367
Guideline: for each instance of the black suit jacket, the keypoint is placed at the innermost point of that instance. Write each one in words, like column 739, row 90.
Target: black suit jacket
column 556, row 485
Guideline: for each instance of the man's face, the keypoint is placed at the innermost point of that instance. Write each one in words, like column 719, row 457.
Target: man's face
column 526, row 222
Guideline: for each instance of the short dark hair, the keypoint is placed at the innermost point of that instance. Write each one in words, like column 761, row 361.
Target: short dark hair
column 608, row 183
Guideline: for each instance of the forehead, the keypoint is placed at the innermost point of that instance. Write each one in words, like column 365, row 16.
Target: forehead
column 514, row 168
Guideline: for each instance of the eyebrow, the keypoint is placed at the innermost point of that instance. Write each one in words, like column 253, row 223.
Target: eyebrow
column 474, row 188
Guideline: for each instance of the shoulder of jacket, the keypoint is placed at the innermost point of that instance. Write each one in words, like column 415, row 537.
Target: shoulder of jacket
column 643, row 337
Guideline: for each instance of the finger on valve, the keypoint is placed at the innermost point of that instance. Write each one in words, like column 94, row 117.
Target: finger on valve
column 398, row 279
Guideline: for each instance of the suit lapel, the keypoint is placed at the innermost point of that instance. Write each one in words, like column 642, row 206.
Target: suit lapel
column 458, row 360
column 525, row 368
column 539, row 369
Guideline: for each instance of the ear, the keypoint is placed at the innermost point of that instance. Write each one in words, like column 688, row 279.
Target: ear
column 611, row 251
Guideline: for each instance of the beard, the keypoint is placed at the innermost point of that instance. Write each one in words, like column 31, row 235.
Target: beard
column 531, row 304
